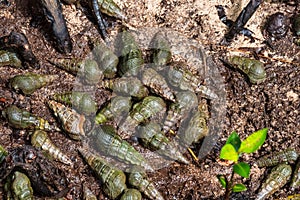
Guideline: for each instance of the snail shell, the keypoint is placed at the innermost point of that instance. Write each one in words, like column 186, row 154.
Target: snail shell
column 106, row 59
column 278, row 177
column 20, row 119
column 29, row 83
column 254, row 69
column 9, row 58
column 110, row 8
column 87, row 70
column 197, row 126
column 127, row 86
column 157, row 83
column 131, row 194
column 296, row 176
column 21, row 187
column 153, row 138
column 185, row 101
column 161, row 50
column 105, row 139
column 72, row 122
column 82, row 101
column 41, row 140
column 139, row 180
column 113, row 179
column 131, row 60
column 141, row 111
column 114, row 108
column 273, row 159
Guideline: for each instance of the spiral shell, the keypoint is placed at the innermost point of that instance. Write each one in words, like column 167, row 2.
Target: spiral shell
column 254, row 69
column 153, row 138
column 296, row 176
column 114, row 108
column 197, row 127
column 105, row 139
column 72, row 122
column 106, row 59
column 157, row 83
column 110, row 8
column 273, row 159
column 185, row 101
column 161, row 50
column 41, row 140
column 87, row 70
column 21, row 187
column 9, row 58
column 149, row 107
column 29, row 83
column 20, row 119
column 3, row 153
column 139, row 180
column 131, row 60
column 131, row 194
column 278, row 177
column 88, row 194
column 113, row 179
column 82, row 101
column 127, row 86
column 180, row 77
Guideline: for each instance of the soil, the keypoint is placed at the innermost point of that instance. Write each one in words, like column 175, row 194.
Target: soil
column 247, row 107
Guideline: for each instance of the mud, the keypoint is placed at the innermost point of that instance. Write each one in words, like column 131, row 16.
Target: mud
column 274, row 103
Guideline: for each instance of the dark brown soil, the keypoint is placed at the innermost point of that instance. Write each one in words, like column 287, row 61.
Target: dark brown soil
column 249, row 107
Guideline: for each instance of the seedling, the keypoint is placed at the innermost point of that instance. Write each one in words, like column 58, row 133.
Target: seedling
column 232, row 150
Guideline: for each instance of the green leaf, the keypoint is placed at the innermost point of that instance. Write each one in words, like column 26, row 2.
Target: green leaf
column 239, row 187
column 242, row 169
column 228, row 152
column 235, row 140
column 253, row 141
column 222, row 179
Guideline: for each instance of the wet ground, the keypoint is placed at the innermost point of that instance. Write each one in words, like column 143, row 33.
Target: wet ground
column 248, row 107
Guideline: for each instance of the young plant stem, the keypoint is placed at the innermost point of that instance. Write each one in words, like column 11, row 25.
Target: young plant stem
column 229, row 186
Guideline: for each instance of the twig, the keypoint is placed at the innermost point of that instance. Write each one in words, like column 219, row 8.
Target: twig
column 241, row 21
column 193, row 154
